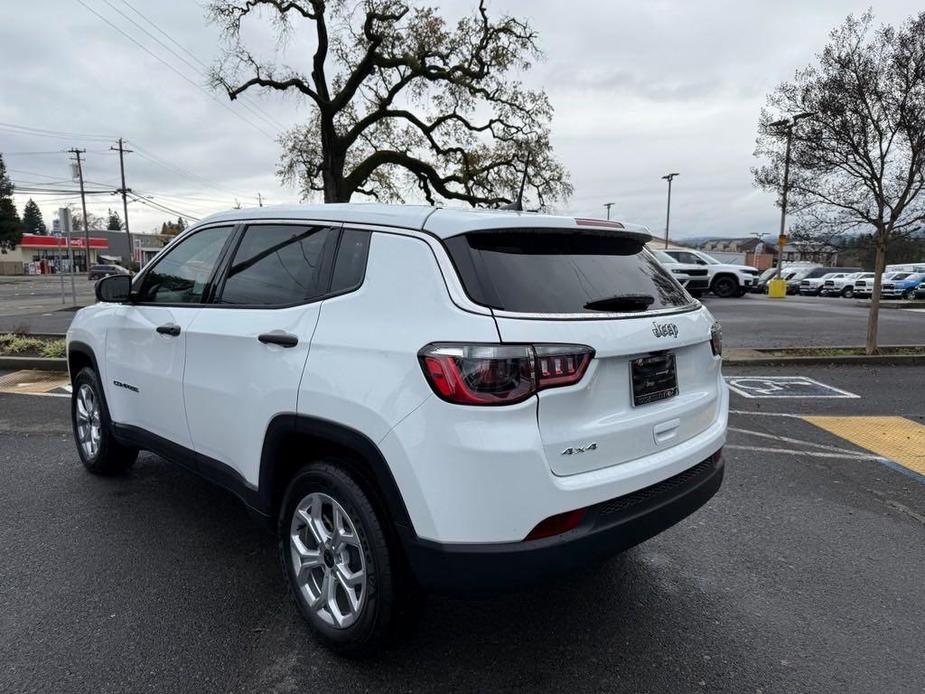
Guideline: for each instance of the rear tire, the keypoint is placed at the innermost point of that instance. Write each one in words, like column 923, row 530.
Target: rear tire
column 99, row 451
column 341, row 572
column 725, row 287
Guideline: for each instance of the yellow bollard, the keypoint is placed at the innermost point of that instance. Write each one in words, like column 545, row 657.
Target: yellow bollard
column 777, row 288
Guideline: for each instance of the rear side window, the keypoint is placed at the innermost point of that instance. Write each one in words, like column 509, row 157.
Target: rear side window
column 276, row 265
column 552, row 271
column 350, row 266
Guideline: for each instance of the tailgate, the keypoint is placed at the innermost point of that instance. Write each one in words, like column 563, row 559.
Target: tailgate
column 595, row 423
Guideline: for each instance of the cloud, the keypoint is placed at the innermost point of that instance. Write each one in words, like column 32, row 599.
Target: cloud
column 639, row 89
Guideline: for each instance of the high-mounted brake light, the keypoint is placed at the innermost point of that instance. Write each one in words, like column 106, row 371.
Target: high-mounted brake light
column 498, row 374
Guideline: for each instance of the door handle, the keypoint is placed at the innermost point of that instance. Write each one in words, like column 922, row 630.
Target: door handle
column 281, row 339
column 169, row 329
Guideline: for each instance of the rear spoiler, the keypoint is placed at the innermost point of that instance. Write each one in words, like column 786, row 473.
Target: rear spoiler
column 632, row 231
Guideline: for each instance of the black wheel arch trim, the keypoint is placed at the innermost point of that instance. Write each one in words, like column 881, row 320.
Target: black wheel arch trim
column 78, row 347
column 368, row 452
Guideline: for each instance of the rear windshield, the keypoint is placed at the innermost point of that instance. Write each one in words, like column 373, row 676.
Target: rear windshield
column 552, row 271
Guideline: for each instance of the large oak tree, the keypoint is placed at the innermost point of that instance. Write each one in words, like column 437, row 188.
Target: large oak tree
column 857, row 163
column 399, row 100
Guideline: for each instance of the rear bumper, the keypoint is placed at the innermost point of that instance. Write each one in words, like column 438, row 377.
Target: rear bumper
column 606, row 529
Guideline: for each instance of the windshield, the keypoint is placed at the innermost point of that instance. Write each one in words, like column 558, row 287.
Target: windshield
column 709, row 260
column 664, row 258
column 556, row 271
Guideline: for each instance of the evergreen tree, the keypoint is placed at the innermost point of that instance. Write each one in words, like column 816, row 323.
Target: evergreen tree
column 32, row 219
column 114, row 222
column 181, row 224
column 11, row 226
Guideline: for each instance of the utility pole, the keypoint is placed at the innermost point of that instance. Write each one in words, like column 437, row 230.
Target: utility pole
column 669, row 178
column 83, row 203
column 121, row 150
column 608, row 205
column 786, row 125
column 259, row 200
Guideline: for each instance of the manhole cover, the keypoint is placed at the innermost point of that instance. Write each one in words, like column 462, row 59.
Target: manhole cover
column 783, row 387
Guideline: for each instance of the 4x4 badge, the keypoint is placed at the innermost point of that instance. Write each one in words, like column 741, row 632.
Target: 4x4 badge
column 664, row 329
column 571, row 450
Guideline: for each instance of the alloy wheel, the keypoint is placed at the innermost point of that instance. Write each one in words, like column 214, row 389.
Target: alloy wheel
column 328, row 560
column 89, row 427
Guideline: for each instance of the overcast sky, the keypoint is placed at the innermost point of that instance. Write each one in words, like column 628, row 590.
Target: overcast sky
column 639, row 88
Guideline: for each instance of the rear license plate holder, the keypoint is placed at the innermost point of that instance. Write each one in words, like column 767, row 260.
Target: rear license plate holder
column 654, row 378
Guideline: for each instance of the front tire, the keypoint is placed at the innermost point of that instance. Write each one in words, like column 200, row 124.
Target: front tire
column 847, row 292
column 338, row 564
column 725, row 287
column 99, row 451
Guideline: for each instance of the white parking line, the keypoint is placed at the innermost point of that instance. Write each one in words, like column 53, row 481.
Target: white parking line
column 794, row 451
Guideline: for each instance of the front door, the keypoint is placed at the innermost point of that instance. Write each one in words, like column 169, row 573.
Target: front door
column 146, row 346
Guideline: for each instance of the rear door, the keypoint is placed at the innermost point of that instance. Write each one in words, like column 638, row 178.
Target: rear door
column 654, row 381
column 246, row 352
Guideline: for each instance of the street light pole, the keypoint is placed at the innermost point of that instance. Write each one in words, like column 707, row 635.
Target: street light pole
column 786, row 125
column 608, row 205
column 669, row 178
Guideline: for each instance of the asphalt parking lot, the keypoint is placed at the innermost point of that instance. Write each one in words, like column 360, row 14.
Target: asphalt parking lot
column 802, row 574
column 755, row 321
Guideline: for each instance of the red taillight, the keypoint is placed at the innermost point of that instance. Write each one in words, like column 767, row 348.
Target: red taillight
column 500, row 374
column 557, row 524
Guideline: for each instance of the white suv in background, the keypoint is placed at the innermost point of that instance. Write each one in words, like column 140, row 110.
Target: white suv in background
column 726, row 279
column 412, row 398
column 694, row 278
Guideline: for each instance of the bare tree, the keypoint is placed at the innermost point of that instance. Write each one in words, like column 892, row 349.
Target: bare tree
column 857, row 164
column 400, row 101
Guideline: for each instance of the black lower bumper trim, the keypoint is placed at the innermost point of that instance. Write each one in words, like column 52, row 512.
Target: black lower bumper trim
column 606, row 529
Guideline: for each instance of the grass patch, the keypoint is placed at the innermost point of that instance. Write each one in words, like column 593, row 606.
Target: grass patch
column 15, row 345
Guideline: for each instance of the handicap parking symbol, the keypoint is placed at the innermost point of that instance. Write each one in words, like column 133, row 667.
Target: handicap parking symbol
column 783, row 387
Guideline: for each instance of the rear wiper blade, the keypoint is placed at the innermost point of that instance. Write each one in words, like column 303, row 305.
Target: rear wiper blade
column 621, row 302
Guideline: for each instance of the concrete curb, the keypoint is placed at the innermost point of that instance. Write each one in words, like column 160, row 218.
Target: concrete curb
column 41, row 363
column 754, row 357
column 891, row 303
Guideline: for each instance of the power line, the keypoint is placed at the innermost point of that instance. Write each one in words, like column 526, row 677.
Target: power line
column 142, row 152
column 176, row 71
column 162, row 208
column 46, row 132
column 255, row 110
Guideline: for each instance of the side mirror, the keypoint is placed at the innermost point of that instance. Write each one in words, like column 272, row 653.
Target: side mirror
column 114, row 289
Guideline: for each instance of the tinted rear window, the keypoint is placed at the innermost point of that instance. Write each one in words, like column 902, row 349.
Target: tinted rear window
column 551, row 271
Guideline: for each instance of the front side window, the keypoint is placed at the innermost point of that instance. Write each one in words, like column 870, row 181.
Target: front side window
column 277, row 265
column 182, row 274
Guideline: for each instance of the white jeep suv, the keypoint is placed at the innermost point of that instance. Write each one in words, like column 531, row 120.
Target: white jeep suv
column 726, row 279
column 412, row 398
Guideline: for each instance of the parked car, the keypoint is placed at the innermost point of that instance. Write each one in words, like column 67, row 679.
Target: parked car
column 813, row 282
column 858, row 286
column 787, row 269
column 902, row 285
column 99, row 271
column 835, row 286
column 694, row 278
column 726, row 279
column 797, row 275
column 864, row 285
column 412, row 398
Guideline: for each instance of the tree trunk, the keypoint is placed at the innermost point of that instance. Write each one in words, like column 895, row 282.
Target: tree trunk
column 874, row 313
